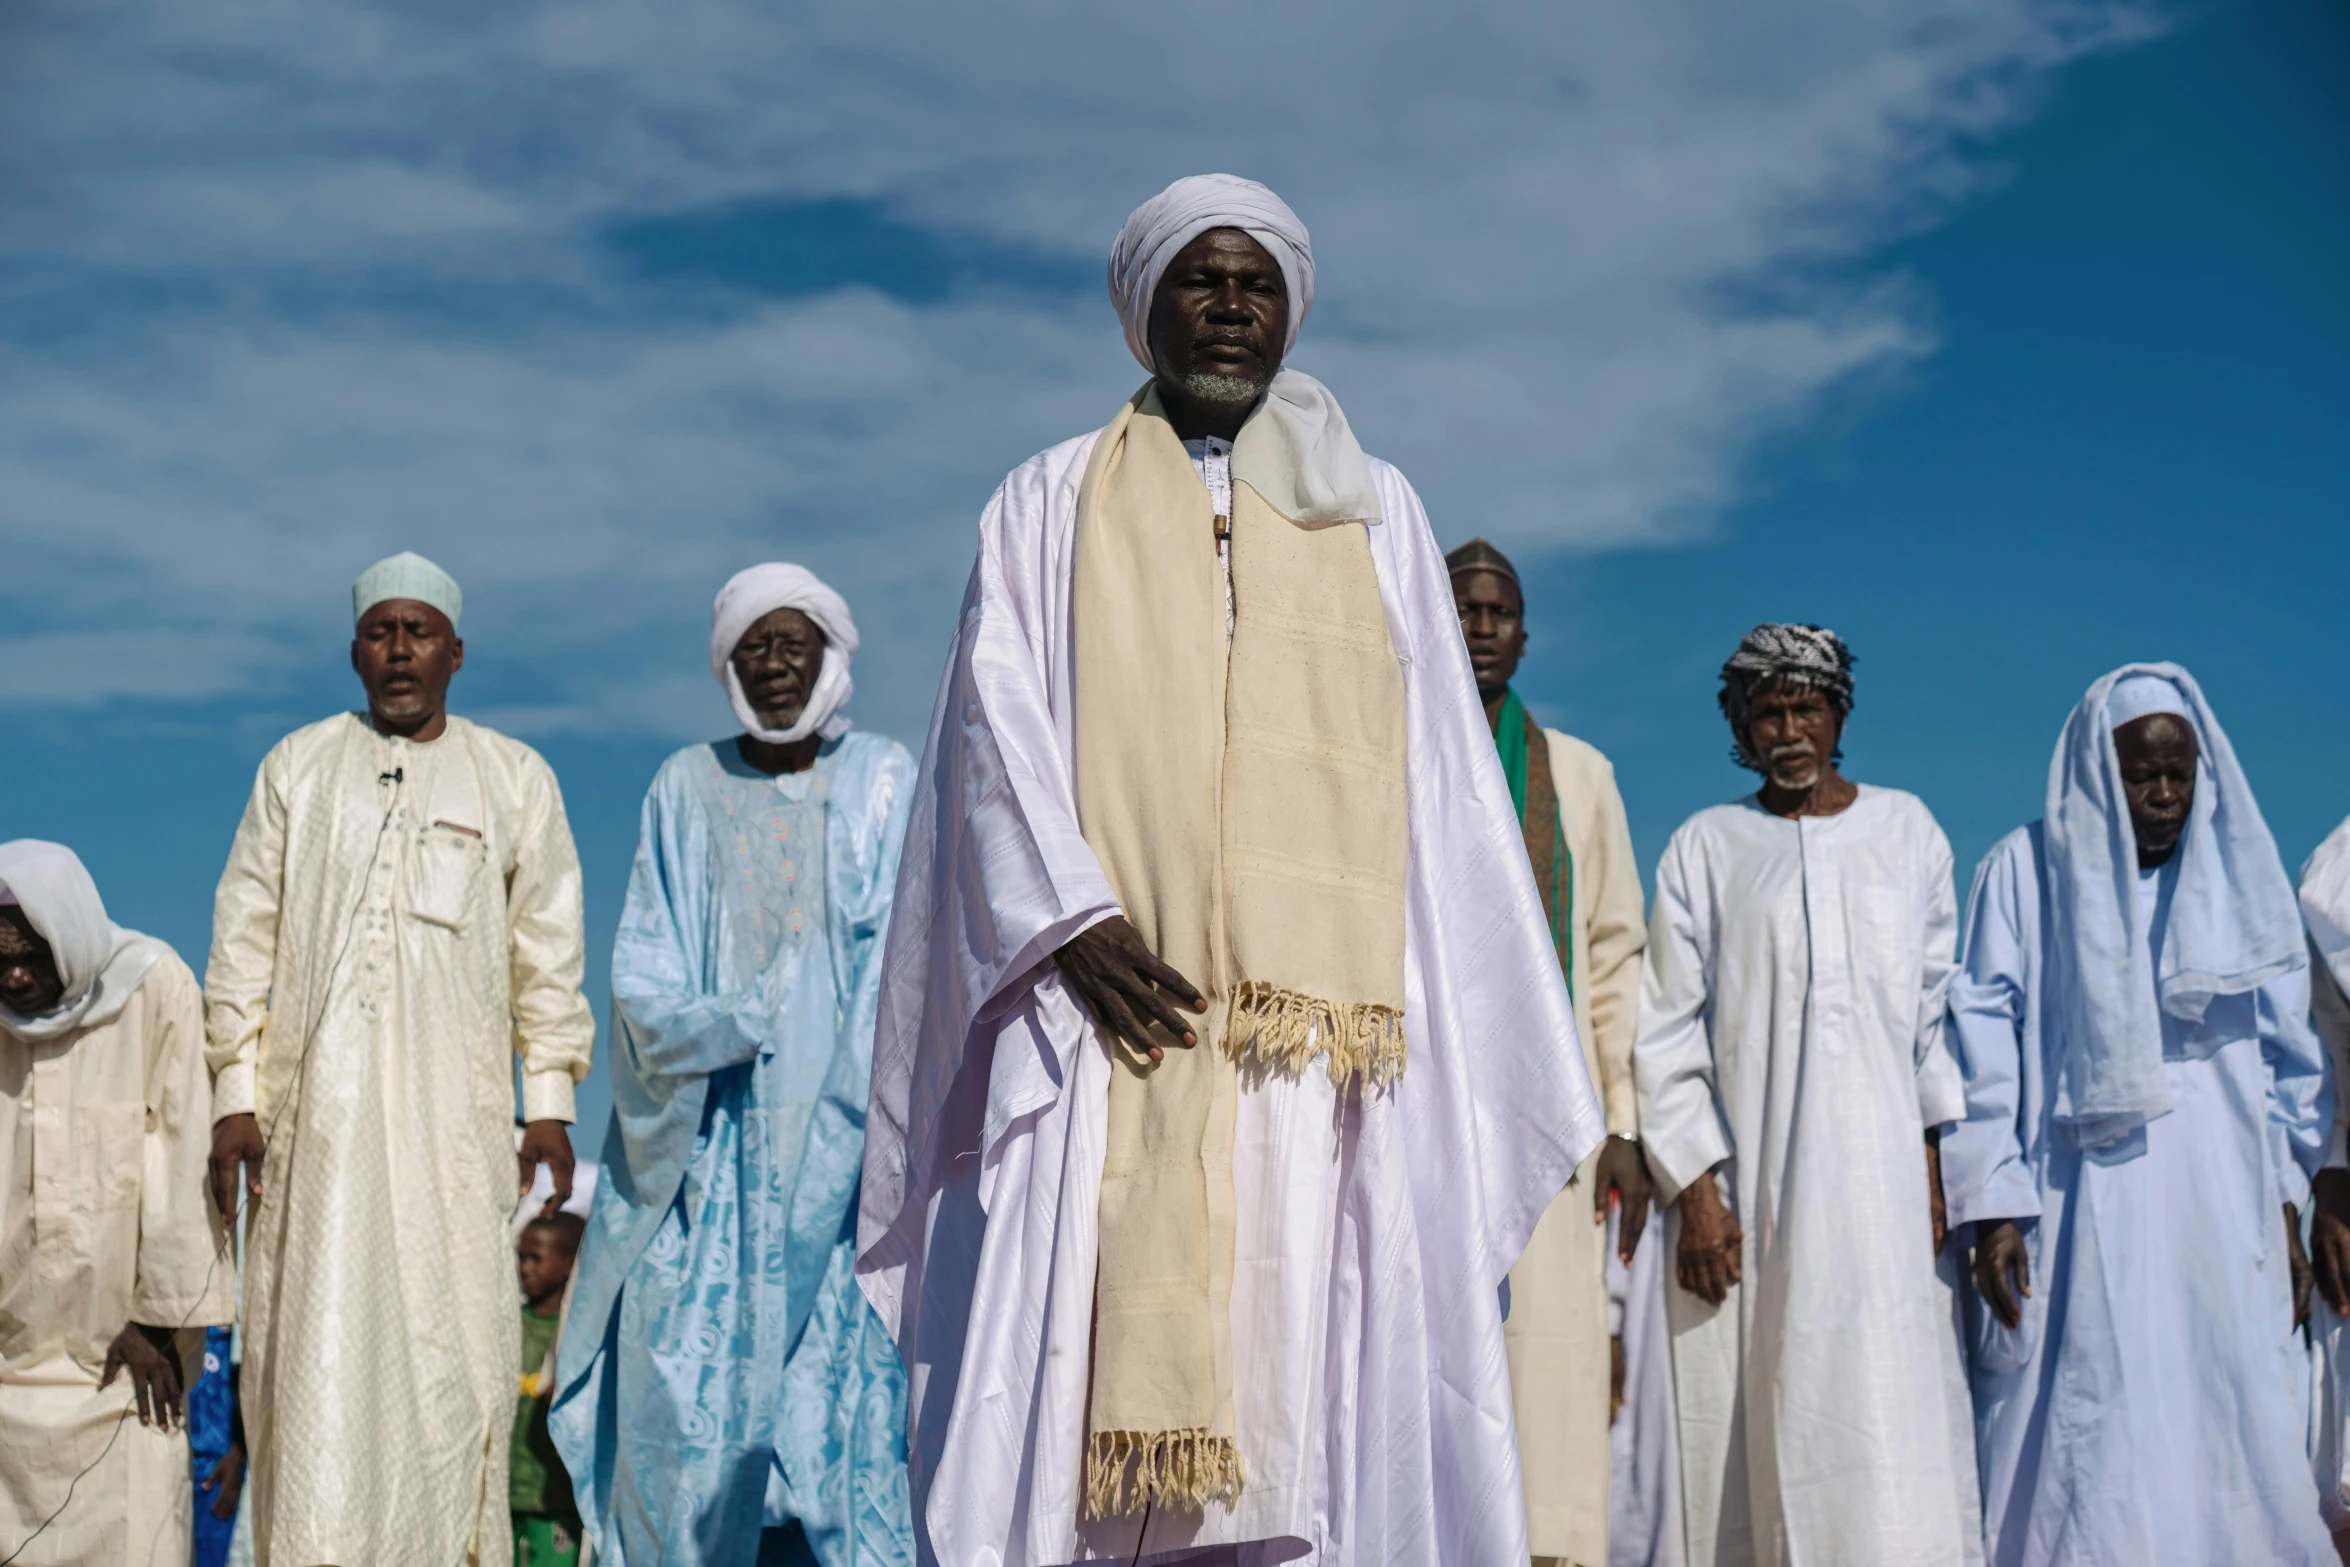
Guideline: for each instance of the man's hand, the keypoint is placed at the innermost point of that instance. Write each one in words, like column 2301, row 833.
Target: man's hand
column 1623, row 1171
column 2003, row 1271
column 2298, row 1259
column 155, row 1377
column 1937, row 1207
column 236, row 1139
column 1712, row 1244
column 547, row 1143
column 2329, row 1232
column 1125, row 986
column 228, row 1477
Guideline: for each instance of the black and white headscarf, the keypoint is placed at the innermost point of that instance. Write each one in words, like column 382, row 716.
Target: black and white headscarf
column 1781, row 653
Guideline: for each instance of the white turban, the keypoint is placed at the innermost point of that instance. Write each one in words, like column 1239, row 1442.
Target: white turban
column 407, row 575
column 762, row 590
column 102, row 964
column 2142, row 696
column 1183, row 212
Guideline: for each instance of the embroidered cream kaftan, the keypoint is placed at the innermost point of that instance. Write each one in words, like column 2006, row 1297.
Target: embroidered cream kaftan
column 103, row 1135
column 407, row 914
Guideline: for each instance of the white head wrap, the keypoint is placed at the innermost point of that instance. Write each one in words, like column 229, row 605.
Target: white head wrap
column 1183, row 212
column 406, row 576
column 762, row 590
column 102, row 964
column 2142, row 696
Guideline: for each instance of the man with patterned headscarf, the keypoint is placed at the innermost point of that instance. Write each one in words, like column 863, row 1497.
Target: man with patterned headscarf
column 2146, row 1103
column 725, row 1394
column 398, row 925
column 1793, row 1079
column 1224, row 1062
column 111, row 1265
column 1580, row 845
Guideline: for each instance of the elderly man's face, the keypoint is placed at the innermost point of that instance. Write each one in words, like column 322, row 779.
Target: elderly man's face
column 405, row 653
column 1220, row 320
column 1792, row 730
column 29, row 981
column 1493, row 623
column 2157, row 755
column 778, row 660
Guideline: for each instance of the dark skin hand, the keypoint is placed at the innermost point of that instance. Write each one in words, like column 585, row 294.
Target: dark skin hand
column 1937, row 1208
column 2330, row 1233
column 2157, row 756
column 1712, row 1245
column 145, row 1352
column 1125, row 986
column 778, row 659
column 2297, row 1262
column 1219, row 323
column 547, row 1143
column 1794, row 730
column 1493, row 624
column 227, row 1477
column 405, row 654
column 29, row 982
column 2003, row 1272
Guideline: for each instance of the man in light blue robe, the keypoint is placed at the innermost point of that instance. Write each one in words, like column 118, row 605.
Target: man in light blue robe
column 2146, row 1103
column 724, row 1394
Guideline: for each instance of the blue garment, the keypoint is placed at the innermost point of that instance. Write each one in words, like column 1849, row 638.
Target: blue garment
column 2237, row 924
column 721, row 1373
column 211, row 1409
column 2150, row 1408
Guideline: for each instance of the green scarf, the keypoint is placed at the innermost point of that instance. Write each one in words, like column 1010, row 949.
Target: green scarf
column 1525, row 758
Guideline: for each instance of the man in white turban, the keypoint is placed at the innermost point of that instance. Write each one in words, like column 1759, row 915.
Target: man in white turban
column 2146, row 1103
column 725, row 1394
column 110, row 1261
column 1793, row 1085
column 1224, row 1062
column 398, row 924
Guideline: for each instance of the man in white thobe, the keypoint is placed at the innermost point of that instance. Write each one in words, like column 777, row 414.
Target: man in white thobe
column 1793, row 1077
column 1224, row 1063
column 110, row 1263
column 398, row 922
column 2325, row 909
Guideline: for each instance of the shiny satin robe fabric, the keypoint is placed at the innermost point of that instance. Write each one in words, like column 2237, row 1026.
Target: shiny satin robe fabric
column 1375, row 1230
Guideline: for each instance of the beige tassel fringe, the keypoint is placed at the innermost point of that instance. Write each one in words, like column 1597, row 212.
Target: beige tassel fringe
column 1286, row 1030
column 1184, row 1470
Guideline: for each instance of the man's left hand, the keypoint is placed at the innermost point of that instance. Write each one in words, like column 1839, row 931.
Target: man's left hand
column 1622, row 1170
column 228, row 1478
column 2298, row 1259
column 547, row 1143
column 155, row 1377
column 1938, row 1208
column 2329, row 1234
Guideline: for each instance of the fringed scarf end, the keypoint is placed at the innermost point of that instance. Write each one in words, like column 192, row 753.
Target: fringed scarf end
column 1183, row 1470
column 1286, row 1029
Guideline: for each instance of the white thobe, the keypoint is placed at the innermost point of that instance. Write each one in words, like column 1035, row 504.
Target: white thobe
column 1792, row 1025
column 1372, row 1401
column 2325, row 906
column 103, row 1222
column 398, row 922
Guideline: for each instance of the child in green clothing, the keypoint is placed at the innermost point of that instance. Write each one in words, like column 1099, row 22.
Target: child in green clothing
column 546, row 1523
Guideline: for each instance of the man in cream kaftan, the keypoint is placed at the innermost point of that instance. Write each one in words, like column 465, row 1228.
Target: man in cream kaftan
column 1580, row 845
column 398, row 922
column 109, row 1258
column 1373, row 1226
column 1791, row 1049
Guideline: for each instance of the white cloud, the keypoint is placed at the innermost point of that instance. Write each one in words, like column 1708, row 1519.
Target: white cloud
column 309, row 282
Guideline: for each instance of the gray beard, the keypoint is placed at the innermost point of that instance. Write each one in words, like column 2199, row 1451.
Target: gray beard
column 1205, row 389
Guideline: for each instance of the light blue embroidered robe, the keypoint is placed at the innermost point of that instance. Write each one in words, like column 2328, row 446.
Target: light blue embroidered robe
column 2150, row 1407
column 721, row 1373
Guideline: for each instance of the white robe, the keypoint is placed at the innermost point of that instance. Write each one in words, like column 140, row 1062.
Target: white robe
column 1373, row 1404
column 1792, row 1024
column 103, row 1221
column 2325, row 905
column 408, row 917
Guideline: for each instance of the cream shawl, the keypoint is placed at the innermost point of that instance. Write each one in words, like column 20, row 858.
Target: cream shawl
column 1245, row 797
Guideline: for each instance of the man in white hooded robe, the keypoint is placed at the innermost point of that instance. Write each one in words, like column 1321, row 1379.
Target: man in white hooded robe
column 1377, row 1149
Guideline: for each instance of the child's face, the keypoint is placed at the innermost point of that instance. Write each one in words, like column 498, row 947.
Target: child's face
column 541, row 1265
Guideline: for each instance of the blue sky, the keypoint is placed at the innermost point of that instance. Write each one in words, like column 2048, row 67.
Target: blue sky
column 2004, row 337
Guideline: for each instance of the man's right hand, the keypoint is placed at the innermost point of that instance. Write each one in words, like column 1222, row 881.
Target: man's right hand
column 2330, row 1237
column 1712, row 1245
column 236, row 1139
column 2003, row 1272
column 1125, row 986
